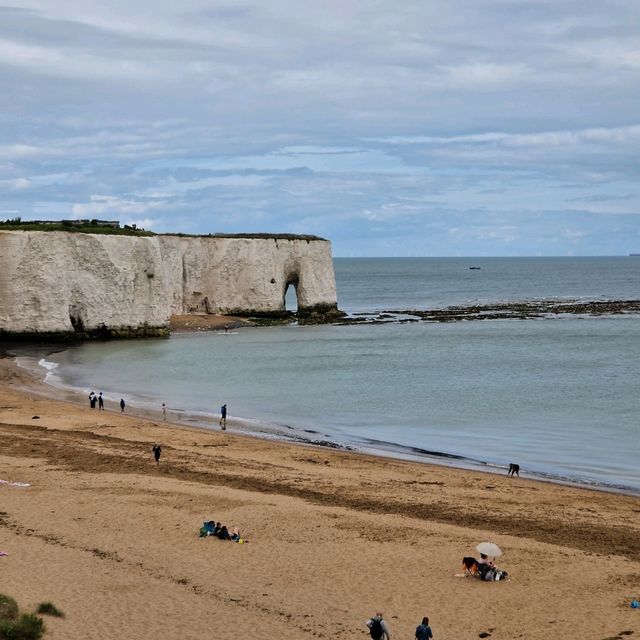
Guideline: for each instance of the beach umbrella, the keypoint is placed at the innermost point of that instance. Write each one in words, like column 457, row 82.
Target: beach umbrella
column 489, row 549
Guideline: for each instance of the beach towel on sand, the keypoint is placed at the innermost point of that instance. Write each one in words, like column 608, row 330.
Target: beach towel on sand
column 15, row 484
column 207, row 528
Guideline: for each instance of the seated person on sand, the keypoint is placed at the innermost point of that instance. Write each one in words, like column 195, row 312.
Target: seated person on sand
column 484, row 569
column 225, row 534
column 487, row 570
column 484, row 559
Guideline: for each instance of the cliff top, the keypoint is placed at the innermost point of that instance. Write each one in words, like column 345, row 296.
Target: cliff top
column 104, row 227
column 262, row 236
column 112, row 227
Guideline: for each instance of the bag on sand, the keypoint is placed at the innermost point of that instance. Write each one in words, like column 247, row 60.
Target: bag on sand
column 376, row 629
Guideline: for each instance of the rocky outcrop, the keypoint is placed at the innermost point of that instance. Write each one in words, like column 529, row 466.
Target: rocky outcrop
column 76, row 283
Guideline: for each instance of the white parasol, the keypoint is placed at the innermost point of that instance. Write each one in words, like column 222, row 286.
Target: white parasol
column 489, row 549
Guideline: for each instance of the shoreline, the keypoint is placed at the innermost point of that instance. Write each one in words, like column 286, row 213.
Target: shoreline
column 111, row 538
column 36, row 384
column 298, row 435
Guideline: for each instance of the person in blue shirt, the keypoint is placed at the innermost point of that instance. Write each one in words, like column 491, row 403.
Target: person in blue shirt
column 423, row 630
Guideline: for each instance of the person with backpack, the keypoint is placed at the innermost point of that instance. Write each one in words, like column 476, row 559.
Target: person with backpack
column 423, row 630
column 378, row 627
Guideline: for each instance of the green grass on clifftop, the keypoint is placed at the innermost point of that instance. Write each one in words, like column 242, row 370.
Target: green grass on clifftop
column 12, row 225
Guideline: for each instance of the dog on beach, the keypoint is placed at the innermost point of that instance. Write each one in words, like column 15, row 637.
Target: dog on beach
column 470, row 566
column 514, row 470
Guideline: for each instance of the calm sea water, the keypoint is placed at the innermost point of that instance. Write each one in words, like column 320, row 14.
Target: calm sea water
column 560, row 396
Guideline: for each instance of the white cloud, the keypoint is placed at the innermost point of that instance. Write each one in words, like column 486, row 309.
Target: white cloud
column 100, row 205
column 18, row 183
column 485, row 77
column 20, row 151
column 608, row 54
column 71, row 63
column 629, row 135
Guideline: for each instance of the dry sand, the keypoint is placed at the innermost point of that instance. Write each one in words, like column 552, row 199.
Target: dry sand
column 112, row 540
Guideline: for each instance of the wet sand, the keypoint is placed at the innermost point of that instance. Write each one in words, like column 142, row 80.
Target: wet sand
column 206, row 322
column 112, row 539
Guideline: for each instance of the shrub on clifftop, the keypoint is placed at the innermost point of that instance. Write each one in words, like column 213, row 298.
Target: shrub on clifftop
column 49, row 609
column 8, row 608
column 27, row 626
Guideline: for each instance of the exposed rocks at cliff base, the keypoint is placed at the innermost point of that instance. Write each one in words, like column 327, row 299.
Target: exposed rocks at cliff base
column 524, row 310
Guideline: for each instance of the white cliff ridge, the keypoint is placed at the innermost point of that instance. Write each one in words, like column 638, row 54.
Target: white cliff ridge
column 53, row 282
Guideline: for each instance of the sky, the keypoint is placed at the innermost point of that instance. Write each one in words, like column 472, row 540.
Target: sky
column 390, row 127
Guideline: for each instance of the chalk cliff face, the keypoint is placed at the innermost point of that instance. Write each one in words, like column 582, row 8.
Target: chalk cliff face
column 53, row 282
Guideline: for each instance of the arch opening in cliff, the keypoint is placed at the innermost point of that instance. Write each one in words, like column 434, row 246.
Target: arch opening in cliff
column 291, row 296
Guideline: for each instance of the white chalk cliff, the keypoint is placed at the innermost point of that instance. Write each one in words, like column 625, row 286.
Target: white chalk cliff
column 53, row 282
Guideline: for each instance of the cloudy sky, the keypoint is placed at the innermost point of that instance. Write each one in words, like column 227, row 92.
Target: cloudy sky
column 391, row 127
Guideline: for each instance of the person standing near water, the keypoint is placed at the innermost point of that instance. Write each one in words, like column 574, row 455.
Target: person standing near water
column 164, row 411
column 100, row 402
column 223, row 416
column 157, row 450
column 122, row 405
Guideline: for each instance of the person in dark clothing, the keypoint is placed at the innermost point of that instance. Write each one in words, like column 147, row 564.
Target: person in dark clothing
column 223, row 533
column 223, row 416
column 92, row 400
column 122, row 405
column 423, row 630
column 100, row 402
column 378, row 628
column 157, row 450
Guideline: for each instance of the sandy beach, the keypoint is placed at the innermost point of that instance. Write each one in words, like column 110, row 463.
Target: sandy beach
column 112, row 539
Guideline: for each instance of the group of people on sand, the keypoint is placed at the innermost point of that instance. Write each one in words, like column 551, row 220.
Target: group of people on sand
column 220, row 531
column 97, row 399
column 379, row 630
column 484, row 568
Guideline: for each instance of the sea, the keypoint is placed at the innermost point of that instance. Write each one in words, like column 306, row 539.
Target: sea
column 559, row 395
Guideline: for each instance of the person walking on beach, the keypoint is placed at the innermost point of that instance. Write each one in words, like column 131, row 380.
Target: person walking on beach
column 100, row 402
column 122, row 405
column 164, row 411
column 423, row 630
column 378, row 628
column 157, row 450
column 223, row 416
column 92, row 399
